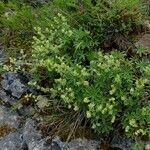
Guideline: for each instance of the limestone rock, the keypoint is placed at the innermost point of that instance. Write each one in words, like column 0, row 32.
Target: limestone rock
column 82, row 144
column 9, row 117
column 13, row 86
column 123, row 143
column 12, row 142
column 77, row 144
column 33, row 138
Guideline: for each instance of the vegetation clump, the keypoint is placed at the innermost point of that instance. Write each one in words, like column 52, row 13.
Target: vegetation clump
column 109, row 89
column 82, row 57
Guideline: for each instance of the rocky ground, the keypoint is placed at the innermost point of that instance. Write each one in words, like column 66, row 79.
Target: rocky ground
column 18, row 132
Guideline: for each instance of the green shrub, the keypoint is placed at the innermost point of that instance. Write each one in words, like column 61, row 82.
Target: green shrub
column 110, row 89
column 106, row 19
column 62, row 39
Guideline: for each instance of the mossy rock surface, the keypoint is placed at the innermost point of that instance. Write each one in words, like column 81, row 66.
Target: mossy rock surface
column 5, row 129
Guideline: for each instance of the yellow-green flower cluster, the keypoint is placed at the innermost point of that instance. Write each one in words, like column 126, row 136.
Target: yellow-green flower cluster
column 103, row 88
column 67, row 95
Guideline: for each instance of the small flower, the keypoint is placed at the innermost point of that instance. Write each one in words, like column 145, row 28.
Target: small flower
column 117, row 79
column 99, row 108
column 86, row 100
column 71, row 95
column 140, row 131
column 111, row 107
column 62, row 96
column 59, row 15
column 21, row 51
column 76, row 108
column 131, row 90
column 88, row 114
column 127, row 129
column 93, row 126
column 113, row 119
column 69, row 106
column 78, row 83
column 91, row 105
column 147, row 147
column 112, row 99
column 132, row 122
column 123, row 98
column 5, row 67
column 104, row 110
column 86, row 83
column 70, row 33
column 111, row 92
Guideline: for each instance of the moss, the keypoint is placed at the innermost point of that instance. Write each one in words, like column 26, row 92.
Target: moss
column 5, row 129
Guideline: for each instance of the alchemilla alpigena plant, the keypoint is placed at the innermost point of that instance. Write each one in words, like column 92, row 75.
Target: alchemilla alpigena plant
column 109, row 89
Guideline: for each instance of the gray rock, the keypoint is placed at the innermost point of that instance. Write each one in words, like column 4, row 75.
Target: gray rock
column 123, row 143
column 81, row 144
column 26, row 138
column 57, row 144
column 26, row 111
column 40, row 145
column 33, row 138
column 77, row 144
column 30, row 132
column 12, row 84
column 10, row 118
column 6, row 98
column 12, row 141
